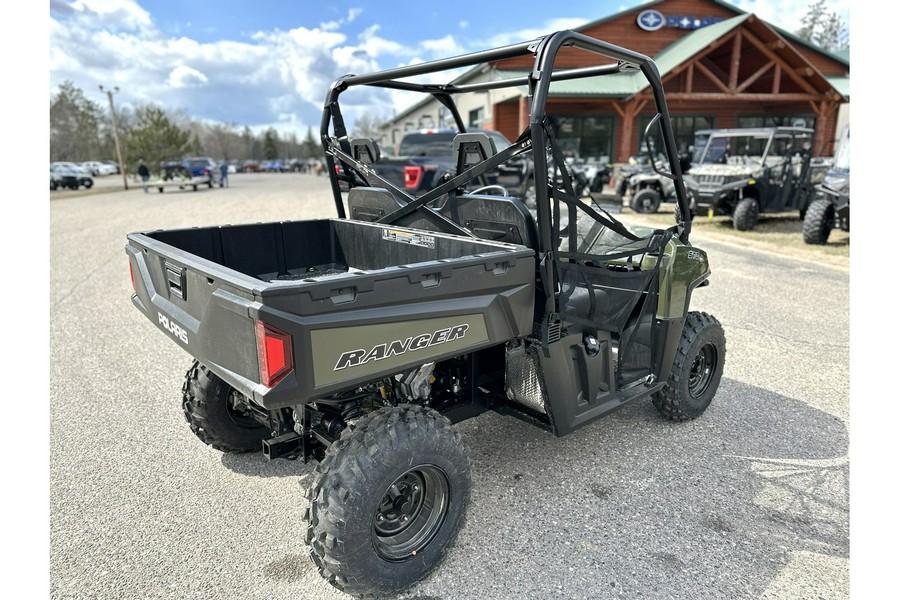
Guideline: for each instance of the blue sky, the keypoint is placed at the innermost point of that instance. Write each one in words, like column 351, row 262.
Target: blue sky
column 270, row 63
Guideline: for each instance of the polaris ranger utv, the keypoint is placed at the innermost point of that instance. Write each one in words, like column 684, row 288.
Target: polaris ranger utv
column 358, row 341
column 744, row 172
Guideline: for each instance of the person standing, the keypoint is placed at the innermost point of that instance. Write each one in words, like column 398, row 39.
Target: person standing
column 144, row 172
column 223, row 169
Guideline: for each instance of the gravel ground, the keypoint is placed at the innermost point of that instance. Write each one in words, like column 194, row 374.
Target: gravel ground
column 749, row 501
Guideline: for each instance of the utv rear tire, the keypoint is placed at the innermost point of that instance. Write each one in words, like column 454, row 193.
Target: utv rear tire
column 387, row 500
column 819, row 222
column 696, row 371
column 746, row 214
column 208, row 409
column 646, row 201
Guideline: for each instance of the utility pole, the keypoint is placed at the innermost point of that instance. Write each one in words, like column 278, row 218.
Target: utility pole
column 115, row 123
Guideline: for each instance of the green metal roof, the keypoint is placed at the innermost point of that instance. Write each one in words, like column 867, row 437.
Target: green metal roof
column 686, row 47
column 617, row 85
column 624, row 85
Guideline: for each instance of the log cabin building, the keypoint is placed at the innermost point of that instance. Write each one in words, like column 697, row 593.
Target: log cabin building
column 721, row 68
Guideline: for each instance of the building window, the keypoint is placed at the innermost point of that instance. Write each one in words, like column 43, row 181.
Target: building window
column 802, row 120
column 585, row 138
column 683, row 127
column 476, row 117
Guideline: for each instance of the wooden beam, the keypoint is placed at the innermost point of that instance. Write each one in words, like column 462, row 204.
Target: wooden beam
column 689, row 82
column 619, row 109
column 735, row 62
column 776, row 45
column 776, row 83
column 750, row 80
column 726, row 97
column 774, row 57
column 706, row 71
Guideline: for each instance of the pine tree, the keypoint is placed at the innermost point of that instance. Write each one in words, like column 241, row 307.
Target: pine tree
column 155, row 138
column 823, row 27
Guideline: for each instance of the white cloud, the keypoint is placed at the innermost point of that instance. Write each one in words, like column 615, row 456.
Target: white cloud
column 531, row 33
column 443, row 47
column 112, row 14
column 185, row 76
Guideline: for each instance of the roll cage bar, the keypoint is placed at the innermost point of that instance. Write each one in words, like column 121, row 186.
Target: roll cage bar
column 545, row 51
column 538, row 134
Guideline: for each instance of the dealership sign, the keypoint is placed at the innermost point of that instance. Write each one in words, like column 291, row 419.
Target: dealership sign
column 653, row 20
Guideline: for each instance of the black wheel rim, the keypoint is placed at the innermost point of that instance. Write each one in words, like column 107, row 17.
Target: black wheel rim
column 702, row 369
column 411, row 512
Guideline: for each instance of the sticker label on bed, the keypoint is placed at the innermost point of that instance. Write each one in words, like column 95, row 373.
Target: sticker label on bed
column 408, row 237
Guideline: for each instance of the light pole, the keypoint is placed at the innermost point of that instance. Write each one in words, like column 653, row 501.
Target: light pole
column 115, row 123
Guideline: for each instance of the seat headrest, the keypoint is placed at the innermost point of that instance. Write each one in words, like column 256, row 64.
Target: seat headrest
column 365, row 150
column 474, row 147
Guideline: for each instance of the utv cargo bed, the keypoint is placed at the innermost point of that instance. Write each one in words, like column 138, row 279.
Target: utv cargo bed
column 372, row 299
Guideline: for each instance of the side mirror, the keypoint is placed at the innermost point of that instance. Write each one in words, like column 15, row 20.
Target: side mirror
column 651, row 151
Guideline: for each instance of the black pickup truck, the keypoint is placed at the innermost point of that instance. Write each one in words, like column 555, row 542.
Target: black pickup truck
column 427, row 158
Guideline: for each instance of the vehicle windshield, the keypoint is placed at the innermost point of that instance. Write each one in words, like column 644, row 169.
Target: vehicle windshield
column 842, row 153
column 732, row 149
column 441, row 143
column 427, row 144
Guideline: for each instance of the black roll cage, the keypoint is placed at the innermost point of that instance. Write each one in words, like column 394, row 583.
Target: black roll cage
column 545, row 50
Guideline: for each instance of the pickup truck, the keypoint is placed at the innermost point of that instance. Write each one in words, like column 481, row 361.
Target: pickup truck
column 358, row 341
column 426, row 159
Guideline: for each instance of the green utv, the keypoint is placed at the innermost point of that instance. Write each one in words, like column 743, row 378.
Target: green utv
column 358, row 341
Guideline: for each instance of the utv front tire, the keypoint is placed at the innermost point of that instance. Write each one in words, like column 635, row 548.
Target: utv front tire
column 387, row 500
column 208, row 404
column 696, row 371
column 746, row 214
column 818, row 222
column 646, row 201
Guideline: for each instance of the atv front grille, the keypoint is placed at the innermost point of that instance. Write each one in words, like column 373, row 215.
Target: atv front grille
column 707, row 180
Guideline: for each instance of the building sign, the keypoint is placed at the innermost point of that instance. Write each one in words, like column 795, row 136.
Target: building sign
column 653, row 20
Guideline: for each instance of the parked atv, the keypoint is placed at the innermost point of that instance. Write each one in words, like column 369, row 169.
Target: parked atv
column 647, row 190
column 745, row 172
column 831, row 208
column 358, row 341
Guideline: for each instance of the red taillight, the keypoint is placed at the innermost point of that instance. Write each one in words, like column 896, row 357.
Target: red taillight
column 276, row 354
column 412, row 176
column 131, row 272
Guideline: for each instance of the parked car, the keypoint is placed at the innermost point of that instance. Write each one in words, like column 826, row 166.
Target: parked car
column 250, row 166
column 63, row 177
column 82, row 177
column 98, row 168
column 271, row 166
column 202, row 166
column 113, row 165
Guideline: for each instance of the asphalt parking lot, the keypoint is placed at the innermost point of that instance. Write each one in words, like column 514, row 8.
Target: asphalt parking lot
column 749, row 501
